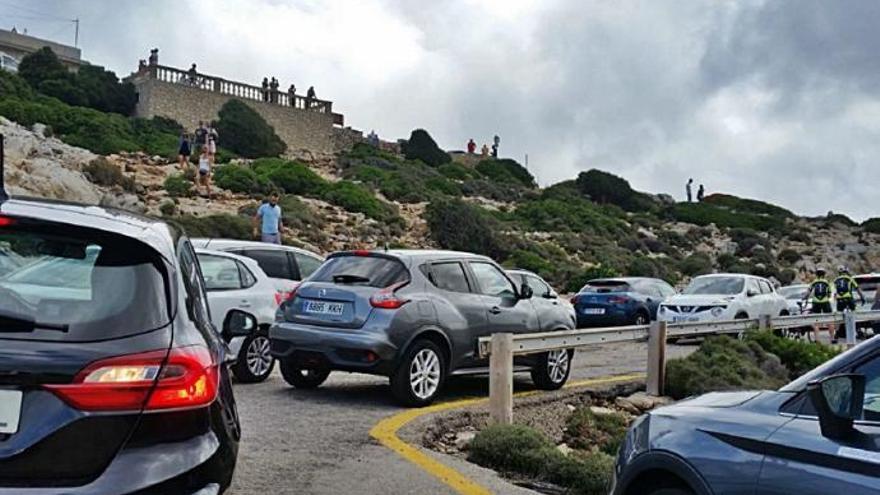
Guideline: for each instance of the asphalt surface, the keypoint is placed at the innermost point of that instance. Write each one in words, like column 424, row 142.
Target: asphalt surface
column 317, row 441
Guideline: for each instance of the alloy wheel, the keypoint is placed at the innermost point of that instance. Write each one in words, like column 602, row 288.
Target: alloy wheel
column 424, row 374
column 557, row 365
column 259, row 358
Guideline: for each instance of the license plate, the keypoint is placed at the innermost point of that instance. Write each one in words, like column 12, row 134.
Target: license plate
column 10, row 410
column 594, row 311
column 323, row 308
column 684, row 319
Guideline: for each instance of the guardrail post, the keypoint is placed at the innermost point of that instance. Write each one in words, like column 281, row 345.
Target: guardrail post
column 501, row 379
column 849, row 321
column 656, row 358
column 765, row 322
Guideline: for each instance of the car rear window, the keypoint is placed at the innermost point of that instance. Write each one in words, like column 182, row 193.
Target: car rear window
column 73, row 285
column 372, row 271
column 606, row 286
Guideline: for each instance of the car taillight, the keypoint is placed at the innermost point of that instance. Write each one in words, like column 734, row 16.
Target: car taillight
column 387, row 298
column 282, row 296
column 6, row 222
column 574, row 299
column 187, row 379
column 361, row 252
column 618, row 299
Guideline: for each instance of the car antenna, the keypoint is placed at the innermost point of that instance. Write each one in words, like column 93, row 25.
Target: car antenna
column 3, row 195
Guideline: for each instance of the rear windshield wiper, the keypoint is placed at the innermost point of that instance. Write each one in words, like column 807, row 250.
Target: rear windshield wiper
column 11, row 323
column 350, row 279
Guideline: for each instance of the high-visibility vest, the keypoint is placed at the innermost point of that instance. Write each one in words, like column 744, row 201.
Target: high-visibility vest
column 821, row 291
column 844, row 286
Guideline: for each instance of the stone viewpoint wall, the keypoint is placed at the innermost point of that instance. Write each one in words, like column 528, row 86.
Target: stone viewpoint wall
column 299, row 128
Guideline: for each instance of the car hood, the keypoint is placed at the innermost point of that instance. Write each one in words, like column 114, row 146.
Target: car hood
column 698, row 300
column 721, row 399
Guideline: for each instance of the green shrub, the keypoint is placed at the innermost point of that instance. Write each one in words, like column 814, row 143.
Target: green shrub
column 459, row 226
column 798, row 356
column 102, row 172
column 244, row 132
column 168, row 208
column 525, row 451
column 789, row 256
column 241, row 179
column 406, row 182
column 743, row 205
column 299, row 215
column 722, row 363
column 600, row 271
column 291, row 177
column 564, row 211
column 493, row 190
column 506, row 170
column 421, row 146
column 457, row 171
column 704, row 214
column 603, row 187
column 529, row 260
column 12, row 86
column 787, row 276
column 839, row 218
column 177, row 186
column 643, row 266
column 222, row 225
column 871, row 225
column 586, row 429
column 356, row 198
column 695, row 264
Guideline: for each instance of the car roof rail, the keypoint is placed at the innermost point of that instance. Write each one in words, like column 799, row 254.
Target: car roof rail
column 3, row 195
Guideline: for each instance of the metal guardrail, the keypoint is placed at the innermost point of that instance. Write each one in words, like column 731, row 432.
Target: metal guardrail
column 502, row 347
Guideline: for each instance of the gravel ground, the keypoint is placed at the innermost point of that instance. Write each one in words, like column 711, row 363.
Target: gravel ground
column 317, row 442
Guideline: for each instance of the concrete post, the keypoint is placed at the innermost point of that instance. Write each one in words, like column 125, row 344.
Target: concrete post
column 849, row 321
column 656, row 358
column 765, row 322
column 501, row 379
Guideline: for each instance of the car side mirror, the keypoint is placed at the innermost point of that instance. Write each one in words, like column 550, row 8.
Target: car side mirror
column 551, row 295
column 238, row 324
column 839, row 400
column 525, row 291
column 751, row 293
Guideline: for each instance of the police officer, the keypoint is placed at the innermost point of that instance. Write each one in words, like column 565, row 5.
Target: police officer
column 844, row 285
column 819, row 295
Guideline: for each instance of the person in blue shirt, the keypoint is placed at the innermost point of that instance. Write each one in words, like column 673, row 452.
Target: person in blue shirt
column 268, row 220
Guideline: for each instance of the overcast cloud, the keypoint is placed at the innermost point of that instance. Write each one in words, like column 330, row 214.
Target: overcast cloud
column 773, row 100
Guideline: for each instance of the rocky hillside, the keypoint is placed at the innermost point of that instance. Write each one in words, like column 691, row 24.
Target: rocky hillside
column 595, row 225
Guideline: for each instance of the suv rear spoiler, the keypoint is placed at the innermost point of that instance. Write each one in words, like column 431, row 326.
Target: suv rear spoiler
column 3, row 195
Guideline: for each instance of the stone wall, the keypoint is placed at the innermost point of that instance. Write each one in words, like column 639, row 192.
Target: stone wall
column 300, row 129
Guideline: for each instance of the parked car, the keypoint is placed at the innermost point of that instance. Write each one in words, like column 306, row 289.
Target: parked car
column 868, row 283
column 817, row 435
column 287, row 266
column 725, row 296
column 112, row 377
column 237, row 284
column 795, row 295
column 548, row 305
column 413, row 316
column 620, row 301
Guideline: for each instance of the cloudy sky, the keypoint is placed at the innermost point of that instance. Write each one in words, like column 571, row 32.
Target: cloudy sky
column 776, row 100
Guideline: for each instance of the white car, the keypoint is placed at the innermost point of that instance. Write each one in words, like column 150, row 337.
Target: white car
column 236, row 282
column 869, row 283
column 723, row 297
column 287, row 266
column 794, row 296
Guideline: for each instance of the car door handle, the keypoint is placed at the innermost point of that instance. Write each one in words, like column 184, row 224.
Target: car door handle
column 495, row 310
column 245, row 304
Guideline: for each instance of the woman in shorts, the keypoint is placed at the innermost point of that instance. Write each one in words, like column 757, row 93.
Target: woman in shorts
column 205, row 171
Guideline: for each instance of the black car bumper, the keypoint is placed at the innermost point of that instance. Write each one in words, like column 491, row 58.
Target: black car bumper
column 333, row 348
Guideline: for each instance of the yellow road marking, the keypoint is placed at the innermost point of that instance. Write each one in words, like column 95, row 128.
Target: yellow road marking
column 386, row 433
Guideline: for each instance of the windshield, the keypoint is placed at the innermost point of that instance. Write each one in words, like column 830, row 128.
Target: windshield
column 371, row 271
column 603, row 286
column 794, row 293
column 722, row 286
column 78, row 285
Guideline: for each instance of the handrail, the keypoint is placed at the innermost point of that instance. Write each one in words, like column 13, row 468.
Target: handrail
column 223, row 86
column 501, row 348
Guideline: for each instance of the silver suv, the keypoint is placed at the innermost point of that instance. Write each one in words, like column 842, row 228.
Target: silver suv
column 414, row 316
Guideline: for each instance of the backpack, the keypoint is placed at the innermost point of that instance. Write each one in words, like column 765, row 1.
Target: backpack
column 842, row 286
column 821, row 290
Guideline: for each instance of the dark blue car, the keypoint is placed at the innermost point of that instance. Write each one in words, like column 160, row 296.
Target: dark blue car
column 619, row 301
column 819, row 435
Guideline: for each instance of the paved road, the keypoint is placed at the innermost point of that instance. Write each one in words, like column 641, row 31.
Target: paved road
column 317, row 442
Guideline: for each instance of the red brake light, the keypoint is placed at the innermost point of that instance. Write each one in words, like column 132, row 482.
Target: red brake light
column 361, row 252
column 387, row 298
column 6, row 222
column 187, row 379
column 574, row 299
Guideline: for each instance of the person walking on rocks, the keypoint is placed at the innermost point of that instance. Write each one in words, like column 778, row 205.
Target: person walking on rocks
column 819, row 295
column 268, row 220
column 183, row 151
column 205, row 171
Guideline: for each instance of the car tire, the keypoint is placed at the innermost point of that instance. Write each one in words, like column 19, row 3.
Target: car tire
column 303, row 378
column 255, row 361
column 553, row 369
column 641, row 318
column 420, row 375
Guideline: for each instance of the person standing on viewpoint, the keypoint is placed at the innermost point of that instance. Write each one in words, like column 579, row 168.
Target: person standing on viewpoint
column 471, row 147
column 701, row 193
column 183, row 151
column 268, row 220
column 205, row 171
column 689, row 190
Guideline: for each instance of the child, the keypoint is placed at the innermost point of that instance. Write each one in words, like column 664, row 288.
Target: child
column 205, row 170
